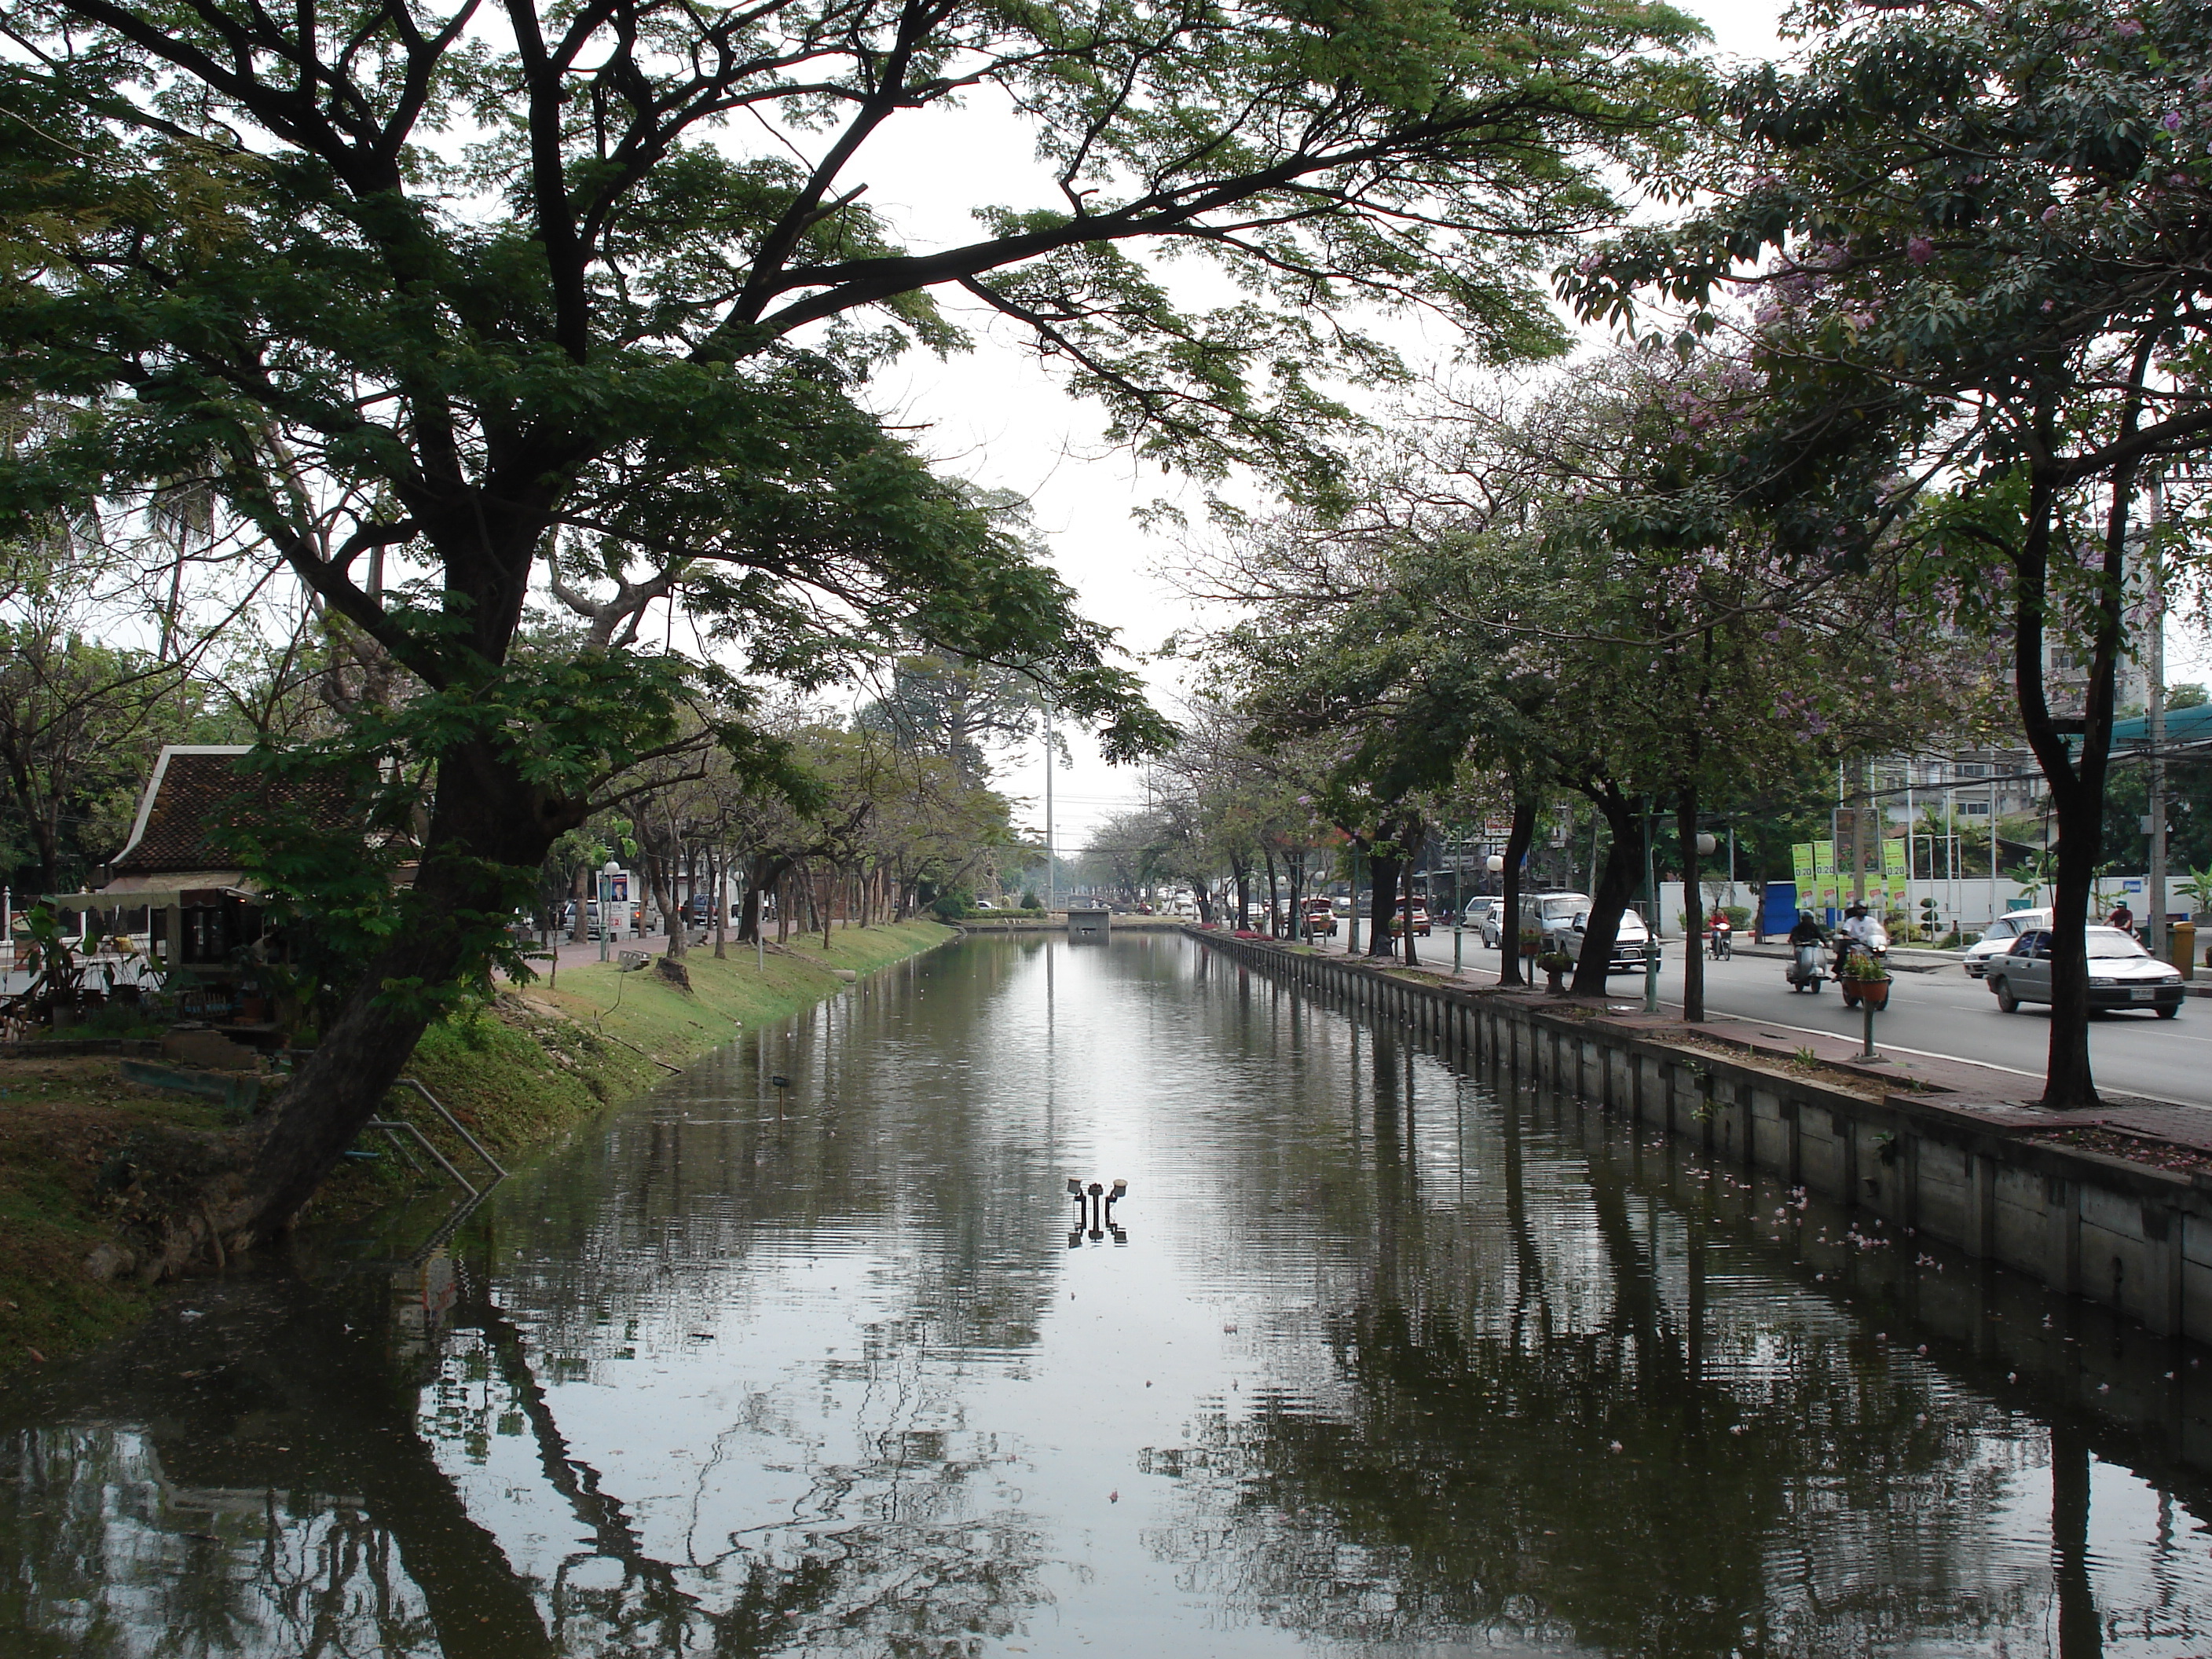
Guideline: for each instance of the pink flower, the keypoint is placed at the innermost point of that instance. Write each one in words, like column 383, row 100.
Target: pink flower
column 2171, row 120
column 2051, row 213
column 1920, row 250
column 2128, row 28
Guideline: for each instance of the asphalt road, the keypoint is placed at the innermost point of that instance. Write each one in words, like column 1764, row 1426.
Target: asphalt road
column 1939, row 1012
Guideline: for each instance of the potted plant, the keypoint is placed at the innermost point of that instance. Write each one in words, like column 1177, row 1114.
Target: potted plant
column 1864, row 979
column 1556, row 965
column 1532, row 941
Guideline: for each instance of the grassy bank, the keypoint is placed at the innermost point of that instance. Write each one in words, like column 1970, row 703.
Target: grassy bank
column 519, row 1072
column 545, row 1057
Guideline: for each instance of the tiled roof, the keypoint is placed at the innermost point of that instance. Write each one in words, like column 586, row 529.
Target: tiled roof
column 192, row 792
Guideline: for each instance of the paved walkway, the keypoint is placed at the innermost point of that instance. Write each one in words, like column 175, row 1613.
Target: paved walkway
column 2001, row 1099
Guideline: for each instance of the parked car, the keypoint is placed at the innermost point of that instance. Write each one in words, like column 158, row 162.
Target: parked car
column 1418, row 914
column 1562, row 918
column 1483, row 915
column 2004, row 933
column 2122, row 974
column 1550, row 914
column 1321, row 919
column 1630, row 941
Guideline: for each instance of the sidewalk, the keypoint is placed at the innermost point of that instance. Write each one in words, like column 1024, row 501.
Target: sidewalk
column 2001, row 1099
column 577, row 953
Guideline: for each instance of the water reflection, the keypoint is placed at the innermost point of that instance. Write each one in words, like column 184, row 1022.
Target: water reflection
column 1393, row 1359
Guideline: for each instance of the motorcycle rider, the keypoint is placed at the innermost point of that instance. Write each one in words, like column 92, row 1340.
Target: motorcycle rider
column 1806, row 940
column 1860, row 931
column 1719, row 929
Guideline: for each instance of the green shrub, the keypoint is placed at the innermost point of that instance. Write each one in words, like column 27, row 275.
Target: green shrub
column 1030, row 901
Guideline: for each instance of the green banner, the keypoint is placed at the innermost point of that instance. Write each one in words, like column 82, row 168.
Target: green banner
column 1801, row 866
column 1824, row 857
column 1892, row 857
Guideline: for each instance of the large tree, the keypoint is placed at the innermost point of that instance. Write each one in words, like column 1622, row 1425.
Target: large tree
column 1974, row 244
column 437, row 300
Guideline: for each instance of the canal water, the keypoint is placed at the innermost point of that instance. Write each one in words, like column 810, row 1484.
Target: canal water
column 1378, row 1355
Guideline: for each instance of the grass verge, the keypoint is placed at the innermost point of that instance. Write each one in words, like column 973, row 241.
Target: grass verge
column 519, row 1072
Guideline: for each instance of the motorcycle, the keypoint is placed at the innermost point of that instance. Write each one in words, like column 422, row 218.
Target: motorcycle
column 1719, row 933
column 1806, row 971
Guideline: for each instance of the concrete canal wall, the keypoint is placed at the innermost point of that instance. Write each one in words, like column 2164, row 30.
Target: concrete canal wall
column 2132, row 1238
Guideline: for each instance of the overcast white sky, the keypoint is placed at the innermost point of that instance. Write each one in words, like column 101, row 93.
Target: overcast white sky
column 996, row 417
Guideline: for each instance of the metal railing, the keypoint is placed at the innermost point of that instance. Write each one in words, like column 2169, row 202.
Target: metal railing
column 392, row 1128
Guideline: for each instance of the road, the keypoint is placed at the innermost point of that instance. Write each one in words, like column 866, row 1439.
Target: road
column 1939, row 1012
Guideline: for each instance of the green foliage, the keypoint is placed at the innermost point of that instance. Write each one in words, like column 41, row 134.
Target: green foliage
column 1030, row 901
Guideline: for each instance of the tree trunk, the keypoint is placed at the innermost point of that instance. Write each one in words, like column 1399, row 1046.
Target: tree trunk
column 1243, row 871
column 580, row 890
column 660, row 873
column 1383, row 894
column 1616, row 886
column 487, row 817
column 1509, row 905
column 1406, row 872
column 2077, row 789
column 1274, row 911
column 718, row 880
column 1694, row 906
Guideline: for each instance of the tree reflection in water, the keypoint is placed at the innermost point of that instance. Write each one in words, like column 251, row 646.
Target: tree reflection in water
column 1585, row 1446
column 1450, row 1365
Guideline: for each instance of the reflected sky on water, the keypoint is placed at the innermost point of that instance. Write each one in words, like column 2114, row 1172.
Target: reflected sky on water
column 1376, row 1358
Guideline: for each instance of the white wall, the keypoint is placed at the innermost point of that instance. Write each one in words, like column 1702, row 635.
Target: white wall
column 1965, row 904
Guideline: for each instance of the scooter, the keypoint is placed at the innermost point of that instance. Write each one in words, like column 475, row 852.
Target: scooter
column 1719, row 933
column 1806, row 971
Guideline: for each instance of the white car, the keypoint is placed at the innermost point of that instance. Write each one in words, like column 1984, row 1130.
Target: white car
column 2122, row 974
column 1482, row 914
column 1561, row 917
column 1999, row 940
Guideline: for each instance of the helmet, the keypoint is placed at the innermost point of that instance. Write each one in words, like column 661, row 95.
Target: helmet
column 1856, row 910
column 1804, row 915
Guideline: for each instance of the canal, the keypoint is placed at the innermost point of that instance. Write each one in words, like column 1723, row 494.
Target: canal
column 1378, row 1355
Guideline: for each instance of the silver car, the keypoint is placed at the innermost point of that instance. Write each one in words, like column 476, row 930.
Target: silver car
column 1482, row 916
column 2003, row 933
column 2122, row 974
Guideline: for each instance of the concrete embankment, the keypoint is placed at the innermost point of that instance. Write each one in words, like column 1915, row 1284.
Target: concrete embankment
column 1994, row 1178
column 520, row 1071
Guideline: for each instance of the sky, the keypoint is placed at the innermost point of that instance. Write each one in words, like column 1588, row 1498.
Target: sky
column 996, row 417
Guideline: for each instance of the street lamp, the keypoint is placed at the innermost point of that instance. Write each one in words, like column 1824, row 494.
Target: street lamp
column 608, row 871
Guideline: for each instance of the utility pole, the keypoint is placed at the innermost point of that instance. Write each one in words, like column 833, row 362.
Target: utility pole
column 2155, row 718
column 1051, row 870
column 1859, row 832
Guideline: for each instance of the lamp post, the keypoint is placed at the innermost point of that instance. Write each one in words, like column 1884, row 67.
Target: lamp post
column 607, row 874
